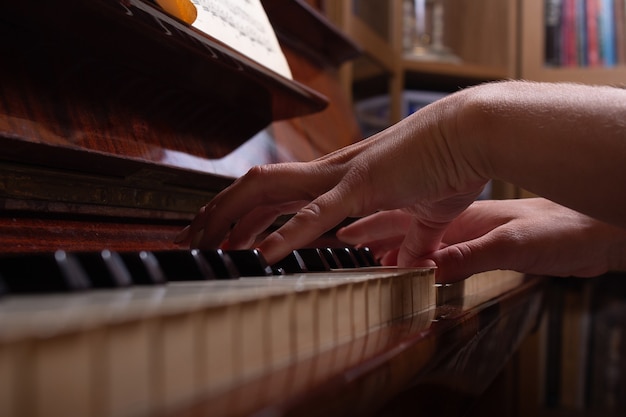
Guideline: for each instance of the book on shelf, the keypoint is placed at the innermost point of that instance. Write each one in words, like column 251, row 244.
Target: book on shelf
column 586, row 346
column 585, row 33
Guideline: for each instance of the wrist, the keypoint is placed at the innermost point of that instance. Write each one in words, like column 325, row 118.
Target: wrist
column 461, row 124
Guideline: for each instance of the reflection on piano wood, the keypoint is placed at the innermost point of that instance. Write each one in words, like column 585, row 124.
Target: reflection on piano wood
column 157, row 349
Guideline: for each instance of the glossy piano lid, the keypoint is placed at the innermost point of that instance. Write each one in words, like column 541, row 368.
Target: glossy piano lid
column 133, row 52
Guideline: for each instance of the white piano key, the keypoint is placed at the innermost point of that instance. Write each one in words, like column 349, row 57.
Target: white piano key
column 129, row 363
column 63, row 381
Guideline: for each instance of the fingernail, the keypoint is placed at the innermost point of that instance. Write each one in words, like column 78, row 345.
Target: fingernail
column 182, row 235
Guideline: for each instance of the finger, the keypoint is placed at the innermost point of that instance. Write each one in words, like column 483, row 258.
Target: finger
column 380, row 248
column 191, row 233
column 477, row 220
column 310, row 222
column 421, row 239
column 206, row 234
column 488, row 252
column 245, row 232
column 390, row 258
column 261, row 186
column 378, row 226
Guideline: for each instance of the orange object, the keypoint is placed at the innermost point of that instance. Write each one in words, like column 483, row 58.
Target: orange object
column 182, row 9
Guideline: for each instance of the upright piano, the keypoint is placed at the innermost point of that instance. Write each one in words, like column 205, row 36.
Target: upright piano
column 117, row 122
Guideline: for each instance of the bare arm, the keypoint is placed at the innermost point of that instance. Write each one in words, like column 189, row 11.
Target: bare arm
column 564, row 142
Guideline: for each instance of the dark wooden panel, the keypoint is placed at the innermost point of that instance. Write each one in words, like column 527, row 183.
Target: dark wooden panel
column 123, row 78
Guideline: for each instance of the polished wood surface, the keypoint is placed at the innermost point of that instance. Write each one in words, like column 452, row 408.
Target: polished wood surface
column 437, row 362
column 115, row 113
column 124, row 78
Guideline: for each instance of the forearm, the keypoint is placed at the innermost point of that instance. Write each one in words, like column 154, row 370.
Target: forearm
column 564, row 142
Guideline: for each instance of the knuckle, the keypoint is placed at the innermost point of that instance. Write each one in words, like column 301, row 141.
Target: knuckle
column 310, row 212
column 459, row 254
column 258, row 171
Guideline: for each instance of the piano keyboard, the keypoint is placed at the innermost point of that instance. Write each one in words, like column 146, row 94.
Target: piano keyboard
column 138, row 334
column 127, row 334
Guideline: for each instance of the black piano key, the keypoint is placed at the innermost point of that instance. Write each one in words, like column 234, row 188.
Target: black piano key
column 105, row 269
column 291, row 264
column 361, row 261
column 314, row 260
column 250, row 263
column 184, row 265
column 144, row 268
column 367, row 256
column 345, row 258
column 331, row 258
column 43, row 273
column 222, row 264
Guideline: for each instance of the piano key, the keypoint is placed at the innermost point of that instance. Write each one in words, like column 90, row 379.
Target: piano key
column 43, row 273
column 331, row 258
column 182, row 339
column 292, row 264
column 222, row 264
column 367, row 256
column 67, row 359
column 184, row 265
column 105, row 269
column 314, row 260
column 144, row 268
column 345, row 258
column 250, row 263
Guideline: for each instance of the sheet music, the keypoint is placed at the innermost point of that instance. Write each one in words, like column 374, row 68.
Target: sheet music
column 243, row 25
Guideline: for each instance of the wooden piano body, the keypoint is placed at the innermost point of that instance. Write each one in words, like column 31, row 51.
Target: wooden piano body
column 115, row 122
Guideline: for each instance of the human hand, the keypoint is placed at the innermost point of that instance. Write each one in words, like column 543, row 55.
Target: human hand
column 533, row 236
column 414, row 165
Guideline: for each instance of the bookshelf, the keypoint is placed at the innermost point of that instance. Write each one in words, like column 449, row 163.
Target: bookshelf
column 532, row 54
column 495, row 39
column 481, row 32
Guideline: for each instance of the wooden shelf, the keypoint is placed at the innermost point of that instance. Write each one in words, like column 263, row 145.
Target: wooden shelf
column 604, row 76
column 495, row 40
column 455, row 70
column 482, row 33
column 373, row 45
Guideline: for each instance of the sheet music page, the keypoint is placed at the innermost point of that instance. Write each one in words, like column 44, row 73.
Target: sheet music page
column 244, row 26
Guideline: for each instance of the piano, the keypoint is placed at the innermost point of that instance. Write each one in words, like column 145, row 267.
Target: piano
column 117, row 122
